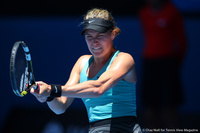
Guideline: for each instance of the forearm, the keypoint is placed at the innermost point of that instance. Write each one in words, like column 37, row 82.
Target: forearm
column 60, row 104
column 69, row 92
column 92, row 88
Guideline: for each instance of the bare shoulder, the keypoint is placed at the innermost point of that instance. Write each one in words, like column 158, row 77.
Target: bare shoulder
column 125, row 58
column 125, row 62
column 82, row 60
column 125, row 55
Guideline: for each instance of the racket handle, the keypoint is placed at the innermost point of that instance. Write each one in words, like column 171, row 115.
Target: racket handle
column 35, row 87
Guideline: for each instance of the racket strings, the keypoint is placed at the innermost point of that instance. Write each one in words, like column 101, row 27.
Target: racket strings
column 20, row 69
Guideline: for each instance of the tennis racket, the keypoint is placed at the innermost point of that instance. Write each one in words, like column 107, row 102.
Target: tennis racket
column 21, row 70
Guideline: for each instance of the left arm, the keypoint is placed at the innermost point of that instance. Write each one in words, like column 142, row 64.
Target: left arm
column 122, row 67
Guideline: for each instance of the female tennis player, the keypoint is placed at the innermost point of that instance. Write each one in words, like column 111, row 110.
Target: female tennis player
column 105, row 80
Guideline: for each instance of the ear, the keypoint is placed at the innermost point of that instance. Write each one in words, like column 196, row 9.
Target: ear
column 113, row 34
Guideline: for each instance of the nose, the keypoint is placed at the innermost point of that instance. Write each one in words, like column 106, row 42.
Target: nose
column 94, row 41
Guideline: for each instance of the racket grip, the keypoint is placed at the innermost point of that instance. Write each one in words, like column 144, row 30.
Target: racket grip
column 35, row 87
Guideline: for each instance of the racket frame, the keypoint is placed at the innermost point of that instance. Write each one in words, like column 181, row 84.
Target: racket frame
column 29, row 79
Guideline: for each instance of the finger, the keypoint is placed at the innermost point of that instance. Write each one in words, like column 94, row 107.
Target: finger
column 36, row 87
column 35, row 92
column 39, row 82
column 32, row 91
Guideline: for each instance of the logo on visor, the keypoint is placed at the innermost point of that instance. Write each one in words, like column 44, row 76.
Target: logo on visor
column 91, row 21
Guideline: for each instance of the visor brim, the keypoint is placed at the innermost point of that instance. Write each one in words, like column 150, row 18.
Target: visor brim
column 97, row 28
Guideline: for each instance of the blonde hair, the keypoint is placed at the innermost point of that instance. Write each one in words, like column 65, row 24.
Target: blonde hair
column 103, row 14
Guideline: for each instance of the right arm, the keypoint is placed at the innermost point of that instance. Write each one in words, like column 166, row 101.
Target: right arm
column 60, row 104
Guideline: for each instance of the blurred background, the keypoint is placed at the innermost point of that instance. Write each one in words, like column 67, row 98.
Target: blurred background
column 52, row 30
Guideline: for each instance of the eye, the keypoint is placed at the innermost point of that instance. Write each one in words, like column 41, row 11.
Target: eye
column 88, row 37
column 100, row 36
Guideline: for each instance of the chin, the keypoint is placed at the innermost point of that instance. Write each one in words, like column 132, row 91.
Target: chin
column 97, row 53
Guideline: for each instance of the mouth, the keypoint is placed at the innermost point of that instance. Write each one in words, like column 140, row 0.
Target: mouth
column 96, row 48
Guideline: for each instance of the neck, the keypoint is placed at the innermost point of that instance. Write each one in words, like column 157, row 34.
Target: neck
column 105, row 58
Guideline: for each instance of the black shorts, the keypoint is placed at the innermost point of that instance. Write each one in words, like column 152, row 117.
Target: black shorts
column 126, row 124
column 161, row 83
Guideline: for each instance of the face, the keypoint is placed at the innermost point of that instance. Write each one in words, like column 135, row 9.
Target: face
column 99, row 44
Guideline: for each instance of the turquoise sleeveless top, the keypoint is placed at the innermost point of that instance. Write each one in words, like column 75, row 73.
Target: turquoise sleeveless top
column 116, row 102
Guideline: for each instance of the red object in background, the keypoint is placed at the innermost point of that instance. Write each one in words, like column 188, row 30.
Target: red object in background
column 164, row 32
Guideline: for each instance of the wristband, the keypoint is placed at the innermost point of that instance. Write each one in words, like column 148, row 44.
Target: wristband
column 55, row 91
column 49, row 99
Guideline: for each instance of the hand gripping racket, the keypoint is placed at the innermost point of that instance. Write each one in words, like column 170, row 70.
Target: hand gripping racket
column 21, row 70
